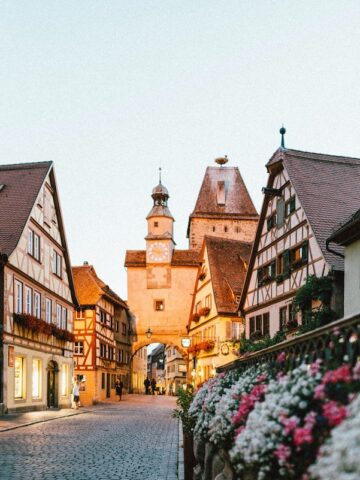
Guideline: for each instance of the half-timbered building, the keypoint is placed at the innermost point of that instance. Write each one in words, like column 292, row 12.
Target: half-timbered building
column 37, row 295
column 307, row 194
column 215, row 326
column 101, row 313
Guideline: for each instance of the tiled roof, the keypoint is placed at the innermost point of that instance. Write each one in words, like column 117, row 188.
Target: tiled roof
column 22, row 183
column 228, row 261
column 90, row 288
column 329, row 191
column 181, row 258
column 348, row 232
column 237, row 204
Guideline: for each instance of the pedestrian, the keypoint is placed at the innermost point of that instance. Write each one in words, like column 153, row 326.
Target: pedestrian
column 153, row 386
column 119, row 388
column 76, row 394
column 147, row 385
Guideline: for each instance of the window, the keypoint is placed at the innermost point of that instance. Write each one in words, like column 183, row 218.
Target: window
column 214, row 229
column 111, row 322
column 111, row 353
column 260, row 323
column 18, row 297
column 116, row 325
column 290, row 206
column 31, row 242
column 208, row 301
column 37, row 247
column 80, row 314
column 271, row 221
column 291, row 312
column 103, row 381
column 280, row 212
column 197, row 307
column 123, row 328
column 64, row 390
column 283, row 265
column 159, row 305
column 58, row 315
column 64, row 319
column 236, row 330
column 56, row 263
column 299, row 255
column 102, row 350
column 36, row 378
column 28, row 300
column 266, row 273
column 78, row 348
column 34, row 245
column 121, row 356
column 103, row 317
column 282, row 317
column 266, row 324
column 48, row 310
column 19, row 383
column 225, row 229
column 127, row 357
column 37, row 305
column 156, row 224
column 237, row 229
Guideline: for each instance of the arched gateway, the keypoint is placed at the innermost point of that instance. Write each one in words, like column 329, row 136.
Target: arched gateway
column 161, row 280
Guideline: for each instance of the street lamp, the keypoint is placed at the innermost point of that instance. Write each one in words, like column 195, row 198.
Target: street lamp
column 148, row 333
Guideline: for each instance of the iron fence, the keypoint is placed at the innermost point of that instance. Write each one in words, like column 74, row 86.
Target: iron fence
column 335, row 344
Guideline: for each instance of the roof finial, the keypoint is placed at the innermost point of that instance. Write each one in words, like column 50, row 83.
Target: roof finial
column 160, row 175
column 283, row 131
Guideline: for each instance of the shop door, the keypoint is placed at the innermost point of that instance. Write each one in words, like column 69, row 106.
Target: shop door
column 52, row 371
column 108, row 385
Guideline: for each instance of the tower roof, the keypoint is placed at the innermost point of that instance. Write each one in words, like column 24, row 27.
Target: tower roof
column 160, row 196
column 223, row 194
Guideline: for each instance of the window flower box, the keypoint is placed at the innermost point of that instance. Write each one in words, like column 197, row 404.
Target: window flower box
column 194, row 349
column 37, row 325
column 207, row 345
column 203, row 312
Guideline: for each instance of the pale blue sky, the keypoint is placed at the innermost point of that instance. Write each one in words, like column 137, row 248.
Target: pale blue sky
column 108, row 89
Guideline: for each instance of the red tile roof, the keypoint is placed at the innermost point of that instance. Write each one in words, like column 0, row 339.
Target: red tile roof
column 228, row 261
column 238, row 203
column 22, row 184
column 90, row 288
column 181, row 258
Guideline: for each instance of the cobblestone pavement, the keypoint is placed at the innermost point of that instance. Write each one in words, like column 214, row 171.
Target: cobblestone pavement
column 135, row 439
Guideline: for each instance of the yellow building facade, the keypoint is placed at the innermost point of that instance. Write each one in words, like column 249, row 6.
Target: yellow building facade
column 215, row 327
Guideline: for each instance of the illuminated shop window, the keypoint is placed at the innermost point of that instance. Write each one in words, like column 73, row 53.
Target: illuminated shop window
column 19, row 377
column 64, row 379
column 36, row 378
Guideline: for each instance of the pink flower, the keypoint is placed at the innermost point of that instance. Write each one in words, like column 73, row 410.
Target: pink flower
column 281, row 357
column 301, row 436
column 282, row 452
column 341, row 374
column 334, row 413
column 247, row 403
column 310, row 420
column 315, row 366
column 261, row 378
column 289, row 423
column 356, row 371
column 319, row 392
column 280, row 375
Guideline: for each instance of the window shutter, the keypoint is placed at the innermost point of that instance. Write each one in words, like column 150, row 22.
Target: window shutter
column 273, row 269
column 305, row 251
column 280, row 213
column 286, row 257
column 228, row 331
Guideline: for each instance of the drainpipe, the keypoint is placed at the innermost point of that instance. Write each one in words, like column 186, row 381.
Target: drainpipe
column 333, row 251
column 3, row 261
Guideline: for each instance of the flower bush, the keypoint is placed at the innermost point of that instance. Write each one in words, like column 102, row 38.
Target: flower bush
column 206, row 399
column 204, row 311
column 282, row 434
column 339, row 457
column 222, row 426
column 37, row 325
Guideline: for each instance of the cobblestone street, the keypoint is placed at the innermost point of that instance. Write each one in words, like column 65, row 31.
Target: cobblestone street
column 133, row 440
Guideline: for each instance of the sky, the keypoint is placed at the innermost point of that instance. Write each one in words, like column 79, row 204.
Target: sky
column 109, row 90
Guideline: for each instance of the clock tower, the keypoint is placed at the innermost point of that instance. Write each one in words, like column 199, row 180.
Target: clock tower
column 159, row 240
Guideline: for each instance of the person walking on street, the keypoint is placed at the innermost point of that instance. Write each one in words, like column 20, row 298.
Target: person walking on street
column 76, row 394
column 147, row 386
column 153, row 386
column 119, row 388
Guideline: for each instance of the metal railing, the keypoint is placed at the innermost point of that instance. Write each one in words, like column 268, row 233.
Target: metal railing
column 335, row 344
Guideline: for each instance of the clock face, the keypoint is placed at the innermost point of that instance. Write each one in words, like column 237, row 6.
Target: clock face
column 158, row 252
